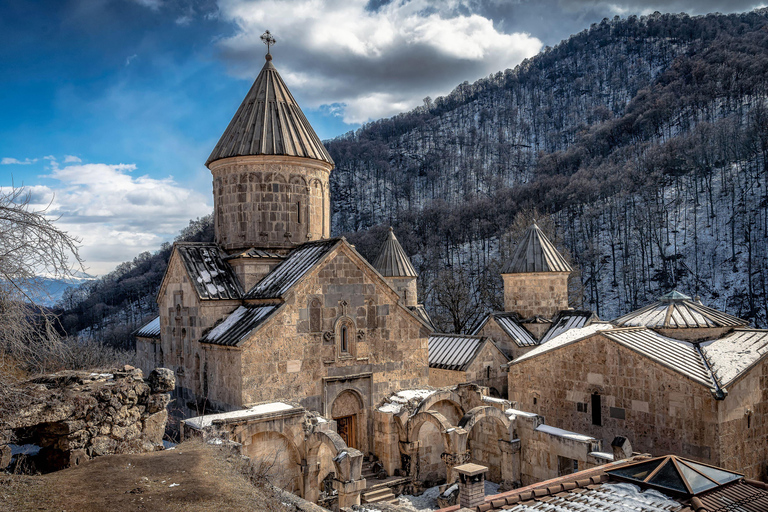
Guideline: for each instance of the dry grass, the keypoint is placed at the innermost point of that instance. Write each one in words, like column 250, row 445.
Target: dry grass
column 208, row 479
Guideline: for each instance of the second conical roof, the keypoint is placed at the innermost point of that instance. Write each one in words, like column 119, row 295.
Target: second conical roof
column 392, row 260
column 269, row 122
column 535, row 253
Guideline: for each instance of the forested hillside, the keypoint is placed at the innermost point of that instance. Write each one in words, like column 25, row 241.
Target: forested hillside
column 645, row 139
column 640, row 144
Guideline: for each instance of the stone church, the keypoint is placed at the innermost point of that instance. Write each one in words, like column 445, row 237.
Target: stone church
column 275, row 308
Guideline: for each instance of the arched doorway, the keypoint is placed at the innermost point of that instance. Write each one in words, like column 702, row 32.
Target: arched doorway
column 347, row 410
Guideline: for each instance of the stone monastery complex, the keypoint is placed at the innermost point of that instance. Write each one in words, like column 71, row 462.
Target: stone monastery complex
column 289, row 344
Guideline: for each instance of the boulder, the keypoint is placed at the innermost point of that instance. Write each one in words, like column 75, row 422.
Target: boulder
column 162, row 380
column 5, row 456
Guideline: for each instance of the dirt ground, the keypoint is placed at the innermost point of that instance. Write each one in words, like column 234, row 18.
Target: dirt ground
column 191, row 477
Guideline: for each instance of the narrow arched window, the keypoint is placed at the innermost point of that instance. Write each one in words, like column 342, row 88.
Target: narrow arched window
column 298, row 211
column 344, row 339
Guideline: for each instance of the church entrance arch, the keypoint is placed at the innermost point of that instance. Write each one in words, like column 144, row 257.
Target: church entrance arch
column 348, row 412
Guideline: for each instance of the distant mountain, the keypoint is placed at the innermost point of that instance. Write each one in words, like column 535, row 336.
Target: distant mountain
column 644, row 138
column 55, row 288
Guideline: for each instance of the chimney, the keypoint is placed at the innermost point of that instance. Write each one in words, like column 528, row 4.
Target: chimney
column 471, row 485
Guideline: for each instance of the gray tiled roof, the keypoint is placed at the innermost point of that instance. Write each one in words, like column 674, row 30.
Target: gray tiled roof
column 535, row 253
column 300, row 261
column 149, row 330
column 235, row 327
column 607, row 497
column 269, row 122
column 510, row 324
column 392, row 260
column 213, row 279
column 677, row 311
column 565, row 320
column 678, row 355
column 453, row 351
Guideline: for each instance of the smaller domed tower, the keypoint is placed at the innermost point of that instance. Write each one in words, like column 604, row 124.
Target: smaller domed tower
column 394, row 265
column 536, row 278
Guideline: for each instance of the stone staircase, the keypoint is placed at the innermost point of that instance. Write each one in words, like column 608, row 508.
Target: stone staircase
column 375, row 492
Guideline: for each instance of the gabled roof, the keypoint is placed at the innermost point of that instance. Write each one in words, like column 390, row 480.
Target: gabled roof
column 300, row 261
column 455, row 351
column 269, row 122
column 734, row 354
column 235, row 327
column 677, row 311
column 566, row 320
column 510, row 324
column 535, row 253
column 421, row 312
column 566, row 338
column 212, row 278
column 150, row 329
column 392, row 260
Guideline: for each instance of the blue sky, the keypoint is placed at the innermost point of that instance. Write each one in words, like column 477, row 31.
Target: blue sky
column 108, row 108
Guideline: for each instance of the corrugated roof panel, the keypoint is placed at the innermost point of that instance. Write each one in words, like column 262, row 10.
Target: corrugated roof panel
column 211, row 276
column 269, row 122
column 565, row 321
column 535, row 253
column 238, row 325
column 519, row 334
column 608, row 497
column 735, row 353
column 453, row 351
column 422, row 313
column 300, row 261
column 678, row 355
column 149, row 330
column 678, row 313
column 392, row 260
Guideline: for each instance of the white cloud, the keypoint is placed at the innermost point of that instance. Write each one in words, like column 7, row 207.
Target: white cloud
column 116, row 214
column 130, row 59
column 372, row 62
column 68, row 159
column 15, row 161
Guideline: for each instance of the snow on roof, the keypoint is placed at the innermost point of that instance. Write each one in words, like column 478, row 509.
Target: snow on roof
column 238, row 325
column 518, row 412
column 569, row 336
column 602, row 455
column 677, row 311
column 406, row 395
column 391, row 408
column 150, row 330
column 201, row 422
column 300, row 261
column 211, row 276
column 733, row 354
column 564, row 433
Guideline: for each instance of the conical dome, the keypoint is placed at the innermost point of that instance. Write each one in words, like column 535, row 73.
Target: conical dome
column 392, row 260
column 535, row 253
column 269, row 122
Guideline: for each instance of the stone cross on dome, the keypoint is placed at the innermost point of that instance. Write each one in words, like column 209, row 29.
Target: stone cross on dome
column 268, row 40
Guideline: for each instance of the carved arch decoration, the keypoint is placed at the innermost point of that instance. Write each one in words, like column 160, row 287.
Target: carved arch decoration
column 346, row 339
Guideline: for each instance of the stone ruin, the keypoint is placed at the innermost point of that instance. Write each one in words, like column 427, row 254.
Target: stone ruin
column 72, row 416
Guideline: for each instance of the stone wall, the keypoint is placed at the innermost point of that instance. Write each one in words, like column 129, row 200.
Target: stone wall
column 405, row 288
column 536, row 293
column 659, row 410
column 270, row 202
column 485, row 370
column 73, row 416
column 743, row 418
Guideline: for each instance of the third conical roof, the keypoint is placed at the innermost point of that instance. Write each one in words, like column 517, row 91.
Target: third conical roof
column 269, row 122
column 535, row 253
column 392, row 260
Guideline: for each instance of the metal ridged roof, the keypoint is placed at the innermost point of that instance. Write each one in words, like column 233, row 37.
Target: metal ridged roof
column 511, row 326
column 453, row 351
column 254, row 253
column 735, row 353
column 238, row 325
column 213, row 279
column 300, row 261
column 269, row 122
column 566, row 320
column 149, row 330
column 535, row 253
column 677, row 311
column 392, row 260
column 678, row 355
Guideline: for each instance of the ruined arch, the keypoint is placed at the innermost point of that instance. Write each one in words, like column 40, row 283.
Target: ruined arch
column 433, row 437
column 488, row 430
column 445, row 395
column 275, row 456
